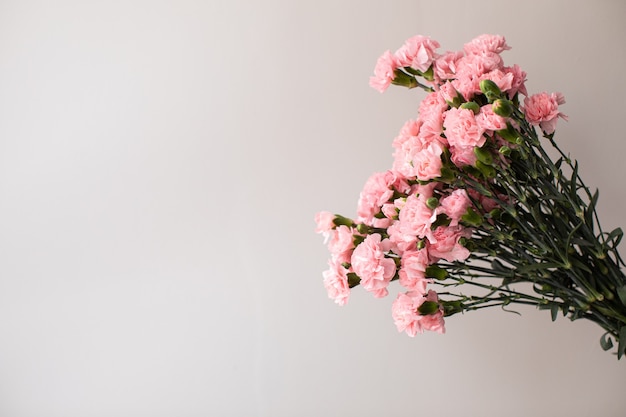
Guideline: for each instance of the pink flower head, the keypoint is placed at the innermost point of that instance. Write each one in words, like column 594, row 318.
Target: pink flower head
column 383, row 72
column 415, row 217
column 324, row 221
column 486, row 43
column 336, row 283
column 517, row 83
column 341, row 243
column 543, row 109
column 407, row 318
column 413, row 269
column 418, row 52
column 445, row 244
column 461, row 128
column 454, row 205
column 371, row 265
column 446, row 65
column 488, row 120
column 377, row 191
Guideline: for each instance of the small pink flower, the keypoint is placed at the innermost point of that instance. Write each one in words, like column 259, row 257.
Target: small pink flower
column 427, row 162
column 445, row 244
column 461, row 128
column 415, row 217
column 446, row 65
column 474, row 66
column 488, row 120
column 455, row 205
column 341, row 243
column 418, row 52
column 543, row 109
column 383, row 72
column 412, row 270
column 377, row 191
column 519, row 78
column 324, row 221
column 486, row 43
column 371, row 265
column 407, row 317
column 336, row 283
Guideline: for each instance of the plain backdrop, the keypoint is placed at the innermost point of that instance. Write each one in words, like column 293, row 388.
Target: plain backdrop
column 160, row 166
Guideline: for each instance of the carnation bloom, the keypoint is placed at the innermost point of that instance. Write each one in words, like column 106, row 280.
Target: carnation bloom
column 377, row 191
column 407, row 317
column 486, row 43
column 324, row 221
column 445, row 244
column 341, row 243
column 412, row 270
column 543, row 109
column 462, row 129
column 336, row 283
column 454, row 205
column 418, row 52
column 370, row 264
column 383, row 72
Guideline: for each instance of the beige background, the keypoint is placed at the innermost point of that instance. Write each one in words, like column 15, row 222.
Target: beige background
column 160, row 166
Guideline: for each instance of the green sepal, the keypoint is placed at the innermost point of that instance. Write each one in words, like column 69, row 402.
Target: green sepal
column 471, row 105
column 428, row 307
column 437, row 272
column 487, row 170
column 472, row 218
column 353, row 279
column 483, row 155
column 340, row 220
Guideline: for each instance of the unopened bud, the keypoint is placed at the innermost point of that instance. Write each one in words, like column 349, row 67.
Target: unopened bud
column 502, row 107
column 432, row 203
column 483, row 155
column 505, row 150
column 471, row 105
column 490, row 90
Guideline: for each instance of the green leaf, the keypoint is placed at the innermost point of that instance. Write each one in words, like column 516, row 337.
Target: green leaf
column 621, row 293
column 554, row 310
column 621, row 344
column 605, row 342
column 428, row 307
column 437, row 272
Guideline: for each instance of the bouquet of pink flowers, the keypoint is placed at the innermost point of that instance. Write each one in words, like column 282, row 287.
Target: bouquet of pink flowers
column 474, row 200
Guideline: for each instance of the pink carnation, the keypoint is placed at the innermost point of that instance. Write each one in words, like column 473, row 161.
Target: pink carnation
column 445, row 244
column 341, row 243
column 486, row 43
column 324, row 221
column 371, row 265
column 336, row 283
column 418, row 52
column 446, row 65
column 455, row 205
column 407, row 317
column 461, row 128
column 543, row 109
column 517, row 83
column 377, row 191
column 383, row 72
column 412, row 270
column 415, row 217
column 488, row 120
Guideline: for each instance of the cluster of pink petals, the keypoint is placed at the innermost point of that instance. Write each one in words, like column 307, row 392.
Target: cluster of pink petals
column 399, row 232
column 407, row 318
column 543, row 109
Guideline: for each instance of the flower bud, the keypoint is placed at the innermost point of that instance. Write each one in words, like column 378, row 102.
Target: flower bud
column 471, row 105
column 483, row 155
column 490, row 90
column 502, row 107
column 437, row 272
column 432, row 203
column 505, row 150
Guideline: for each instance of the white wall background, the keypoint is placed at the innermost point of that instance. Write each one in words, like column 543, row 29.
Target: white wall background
column 160, row 166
